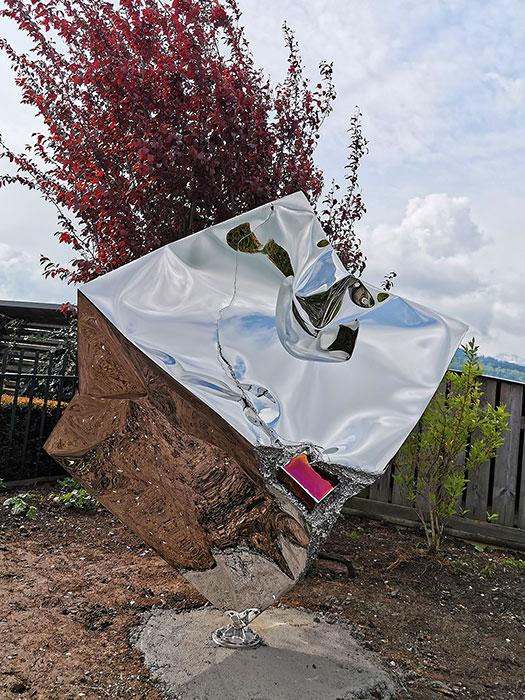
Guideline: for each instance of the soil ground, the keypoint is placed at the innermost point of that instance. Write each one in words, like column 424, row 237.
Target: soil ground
column 72, row 583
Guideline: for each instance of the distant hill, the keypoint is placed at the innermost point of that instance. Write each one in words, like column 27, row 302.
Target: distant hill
column 494, row 367
column 514, row 359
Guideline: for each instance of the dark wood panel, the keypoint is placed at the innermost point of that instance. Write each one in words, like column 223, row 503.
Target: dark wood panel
column 477, row 494
column 380, row 490
column 506, row 473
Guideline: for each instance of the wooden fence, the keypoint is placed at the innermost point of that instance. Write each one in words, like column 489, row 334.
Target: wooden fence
column 497, row 487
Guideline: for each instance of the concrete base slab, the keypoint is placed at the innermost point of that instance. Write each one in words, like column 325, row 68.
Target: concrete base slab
column 301, row 659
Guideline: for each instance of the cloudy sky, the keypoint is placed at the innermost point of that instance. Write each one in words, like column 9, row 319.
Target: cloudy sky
column 441, row 85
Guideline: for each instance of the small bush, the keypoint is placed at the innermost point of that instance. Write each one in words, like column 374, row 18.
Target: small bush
column 73, row 495
column 514, row 563
column 455, row 435
column 20, row 505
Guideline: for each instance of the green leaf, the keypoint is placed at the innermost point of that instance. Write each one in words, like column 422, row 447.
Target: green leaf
column 18, row 507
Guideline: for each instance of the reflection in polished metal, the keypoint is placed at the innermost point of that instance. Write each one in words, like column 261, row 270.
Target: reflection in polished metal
column 235, row 388
column 304, row 481
column 237, row 635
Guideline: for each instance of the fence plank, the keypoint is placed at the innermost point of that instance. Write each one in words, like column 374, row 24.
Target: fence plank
column 380, row 489
column 506, row 471
column 3, row 370
column 26, row 412
column 398, row 495
column 492, row 533
column 46, row 397
column 60, row 389
column 521, row 511
column 477, row 494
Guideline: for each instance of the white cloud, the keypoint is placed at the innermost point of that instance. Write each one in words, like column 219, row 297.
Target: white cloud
column 21, row 279
column 12, row 264
column 433, row 243
column 437, row 251
column 27, row 224
column 441, row 226
column 512, row 90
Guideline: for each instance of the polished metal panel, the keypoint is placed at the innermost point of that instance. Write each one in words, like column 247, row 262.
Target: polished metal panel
column 224, row 323
column 236, row 387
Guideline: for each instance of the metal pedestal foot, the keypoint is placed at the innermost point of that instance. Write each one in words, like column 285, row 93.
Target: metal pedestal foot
column 237, row 635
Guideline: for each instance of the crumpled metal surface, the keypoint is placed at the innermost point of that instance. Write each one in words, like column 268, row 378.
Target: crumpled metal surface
column 236, row 387
column 224, row 324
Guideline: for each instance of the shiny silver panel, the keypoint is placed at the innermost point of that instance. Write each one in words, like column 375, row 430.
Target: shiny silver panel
column 315, row 357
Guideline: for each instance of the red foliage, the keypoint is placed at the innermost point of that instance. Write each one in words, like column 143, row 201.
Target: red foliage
column 158, row 124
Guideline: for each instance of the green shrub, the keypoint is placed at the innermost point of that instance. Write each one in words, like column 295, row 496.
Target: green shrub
column 455, row 435
column 514, row 563
column 20, row 505
column 73, row 495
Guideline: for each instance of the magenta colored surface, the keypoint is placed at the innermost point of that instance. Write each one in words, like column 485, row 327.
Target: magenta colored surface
column 314, row 484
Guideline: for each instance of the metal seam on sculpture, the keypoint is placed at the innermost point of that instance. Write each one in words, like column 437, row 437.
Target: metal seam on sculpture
column 248, row 404
column 328, row 514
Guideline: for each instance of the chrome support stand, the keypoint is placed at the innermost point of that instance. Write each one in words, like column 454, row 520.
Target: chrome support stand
column 237, row 635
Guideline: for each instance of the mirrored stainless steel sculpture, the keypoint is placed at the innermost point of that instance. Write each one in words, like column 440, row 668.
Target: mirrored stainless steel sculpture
column 235, row 388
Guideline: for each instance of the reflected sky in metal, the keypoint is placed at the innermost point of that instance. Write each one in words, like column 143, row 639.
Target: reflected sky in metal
column 316, row 357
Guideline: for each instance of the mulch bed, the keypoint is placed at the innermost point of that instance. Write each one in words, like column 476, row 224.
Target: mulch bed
column 74, row 582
